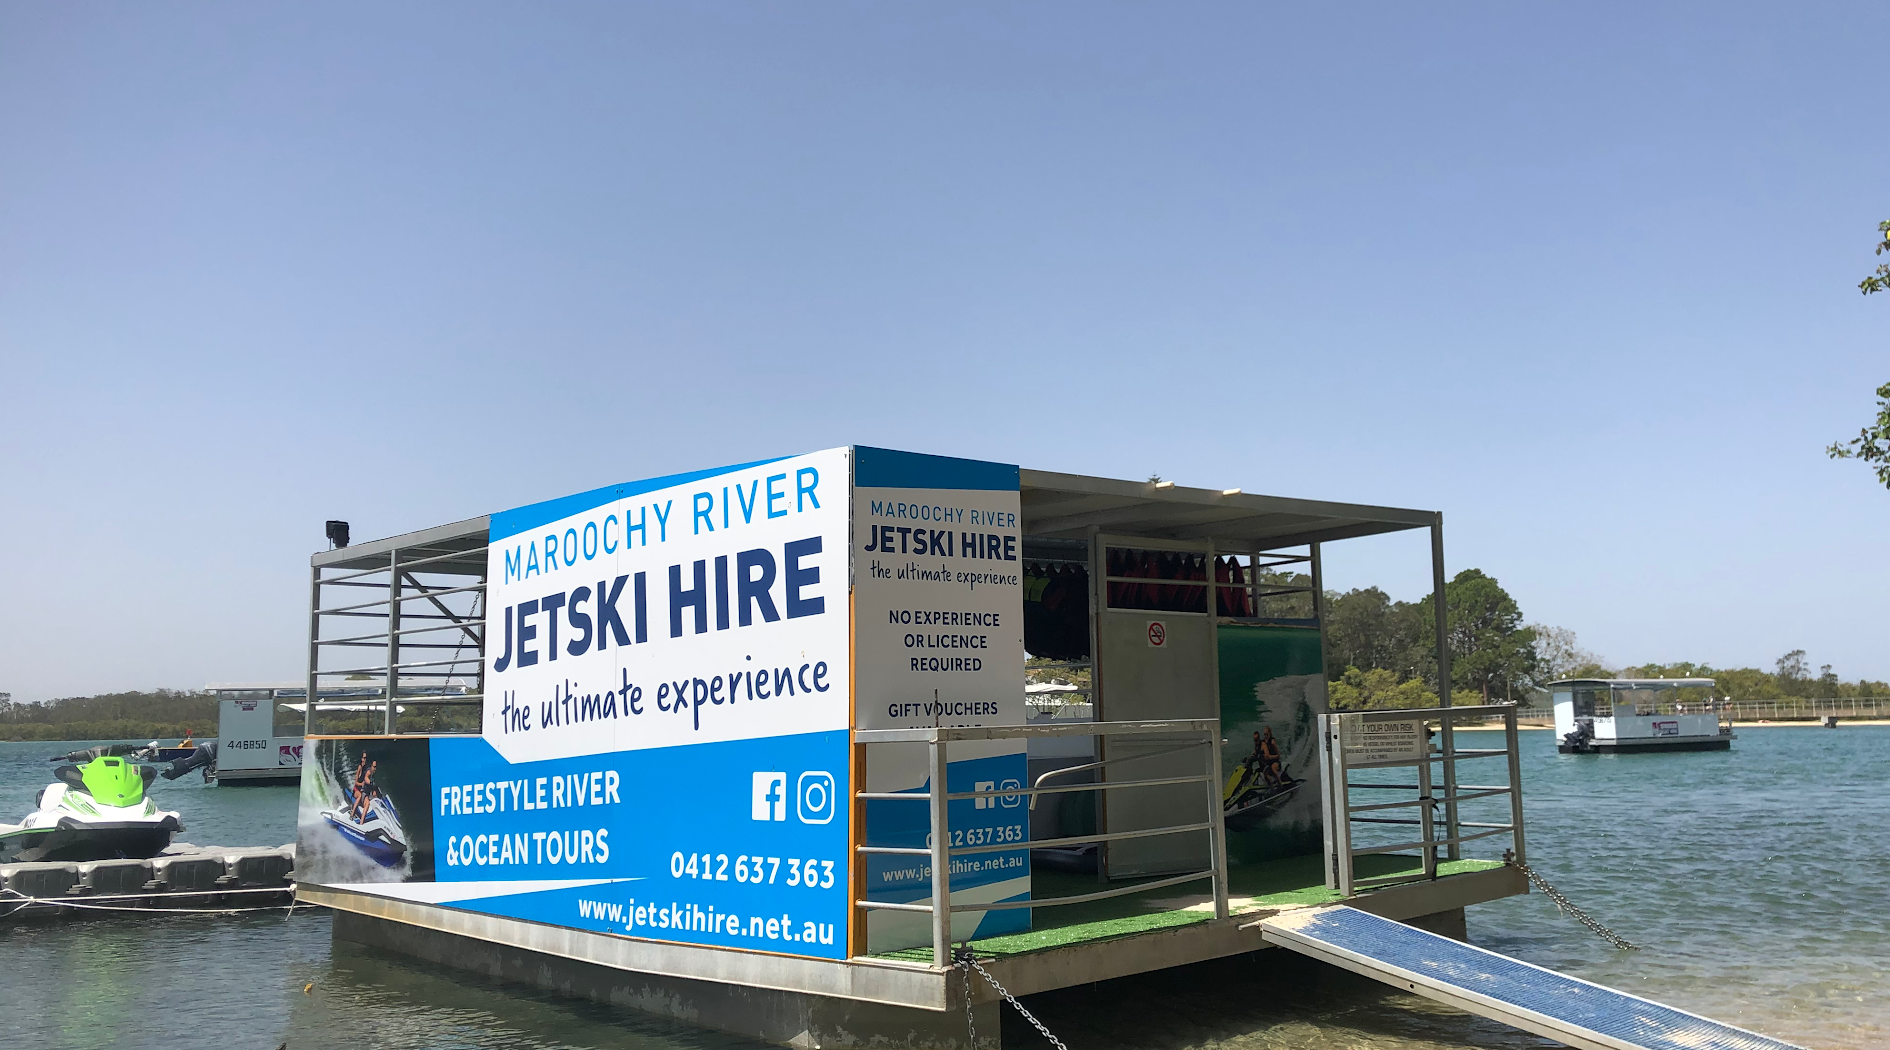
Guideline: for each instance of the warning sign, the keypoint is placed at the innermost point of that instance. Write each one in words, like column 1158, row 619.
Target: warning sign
column 1157, row 634
column 1395, row 741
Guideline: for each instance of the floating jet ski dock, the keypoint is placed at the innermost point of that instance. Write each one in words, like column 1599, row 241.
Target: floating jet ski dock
column 1551, row 1004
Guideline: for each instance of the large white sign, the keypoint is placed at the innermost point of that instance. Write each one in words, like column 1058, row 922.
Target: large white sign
column 939, row 603
column 939, row 641
column 691, row 609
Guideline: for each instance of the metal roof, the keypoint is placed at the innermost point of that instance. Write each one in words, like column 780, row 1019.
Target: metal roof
column 467, row 536
column 1066, row 505
column 1055, row 506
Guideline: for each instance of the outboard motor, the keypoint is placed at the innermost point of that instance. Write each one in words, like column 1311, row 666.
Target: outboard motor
column 204, row 757
column 1577, row 740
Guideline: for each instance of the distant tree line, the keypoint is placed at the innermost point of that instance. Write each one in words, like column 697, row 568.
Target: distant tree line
column 1383, row 654
column 150, row 715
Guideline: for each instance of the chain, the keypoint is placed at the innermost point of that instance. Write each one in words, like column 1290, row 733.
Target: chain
column 1563, row 904
column 971, row 1025
column 968, row 963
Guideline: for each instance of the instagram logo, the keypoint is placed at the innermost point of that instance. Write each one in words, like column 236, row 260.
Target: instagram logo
column 813, row 797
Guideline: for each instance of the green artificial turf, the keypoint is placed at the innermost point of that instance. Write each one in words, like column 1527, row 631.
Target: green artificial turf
column 1294, row 881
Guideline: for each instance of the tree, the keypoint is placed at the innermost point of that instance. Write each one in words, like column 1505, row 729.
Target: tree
column 1490, row 649
column 1559, row 656
column 1879, row 281
column 1872, row 443
column 1492, row 653
column 1366, row 629
column 1376, row 689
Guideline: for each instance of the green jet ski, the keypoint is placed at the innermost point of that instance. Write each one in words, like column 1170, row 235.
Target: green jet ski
column 96, row 810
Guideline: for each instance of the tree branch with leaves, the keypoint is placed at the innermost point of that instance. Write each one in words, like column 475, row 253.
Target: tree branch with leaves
column 1872, row 443
column 1879, row 281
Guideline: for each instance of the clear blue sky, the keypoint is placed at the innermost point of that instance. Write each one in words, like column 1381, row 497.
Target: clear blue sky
column 1581, row 276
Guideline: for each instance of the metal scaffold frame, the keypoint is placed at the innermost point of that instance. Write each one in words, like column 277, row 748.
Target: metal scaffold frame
column 445, row 569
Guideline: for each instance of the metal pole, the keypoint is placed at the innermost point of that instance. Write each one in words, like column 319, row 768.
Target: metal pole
column 393, row 635
column 1342, row 803
column 1425, row 821
column 1515, row 786
column 1327, row 746
column 1253, row 582
column 1319, row 602
column 1217, row 829
column 314, row 648
column 941, row 859
column 1448, row 738
column 1099, row 746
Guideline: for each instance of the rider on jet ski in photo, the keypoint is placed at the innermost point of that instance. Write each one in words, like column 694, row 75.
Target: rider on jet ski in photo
column 1266, row 757
column 364, row 791
column 1259, row 786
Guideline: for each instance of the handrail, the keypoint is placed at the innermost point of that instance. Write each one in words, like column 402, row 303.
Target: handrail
column 1414, row 748
column 1085, row 898
column 937, row 795
column 931, row 734
column 959, row 796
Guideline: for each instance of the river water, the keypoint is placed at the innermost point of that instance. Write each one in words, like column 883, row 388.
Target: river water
column 1757, row 880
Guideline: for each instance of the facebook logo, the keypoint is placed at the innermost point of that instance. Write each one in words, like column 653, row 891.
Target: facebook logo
column 769, row 801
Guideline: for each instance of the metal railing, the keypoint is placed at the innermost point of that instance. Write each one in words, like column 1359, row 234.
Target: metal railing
column 1402, row 739
column 1201, row 734
column 1784, row 709
column 1808, row 709
column 1661, row 708
column 424, row 608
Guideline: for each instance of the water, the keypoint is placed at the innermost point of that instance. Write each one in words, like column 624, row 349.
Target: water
column 1754, row 878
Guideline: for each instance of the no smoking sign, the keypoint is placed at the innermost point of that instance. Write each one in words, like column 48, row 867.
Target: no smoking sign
column 1157, row 634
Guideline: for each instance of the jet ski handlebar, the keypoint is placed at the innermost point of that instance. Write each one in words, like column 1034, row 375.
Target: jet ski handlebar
column 101, row 751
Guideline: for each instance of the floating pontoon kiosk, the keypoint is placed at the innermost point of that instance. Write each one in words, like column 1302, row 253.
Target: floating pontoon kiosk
column 720, row 731
column 1620, row 715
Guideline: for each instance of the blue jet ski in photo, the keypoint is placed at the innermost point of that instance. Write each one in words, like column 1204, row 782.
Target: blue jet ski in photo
column 376, row 833
column 370, row 821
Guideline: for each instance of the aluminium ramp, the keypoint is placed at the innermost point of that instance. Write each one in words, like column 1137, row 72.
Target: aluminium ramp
column 1530, row 997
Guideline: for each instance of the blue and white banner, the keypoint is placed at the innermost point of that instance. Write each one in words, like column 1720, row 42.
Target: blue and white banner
column 667, row 698
column 739, row 844
column 695, row 608
column 671, row 680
